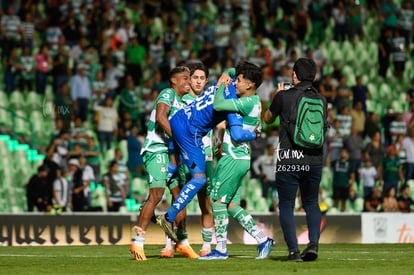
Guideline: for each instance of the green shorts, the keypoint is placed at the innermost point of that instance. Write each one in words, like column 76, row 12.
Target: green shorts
column 156, row 164
column 227, row 180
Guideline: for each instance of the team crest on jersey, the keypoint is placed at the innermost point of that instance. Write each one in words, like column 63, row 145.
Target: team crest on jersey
column 163, row 169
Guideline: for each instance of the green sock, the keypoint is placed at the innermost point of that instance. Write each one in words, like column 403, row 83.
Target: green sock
column 221, row 223
column 248, row 223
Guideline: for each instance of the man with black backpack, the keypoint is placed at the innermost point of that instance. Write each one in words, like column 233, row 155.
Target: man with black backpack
column 303, row 116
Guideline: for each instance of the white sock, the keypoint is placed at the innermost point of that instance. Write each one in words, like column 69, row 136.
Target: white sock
column 185, row 242
column 168, row 243
column 139, row 240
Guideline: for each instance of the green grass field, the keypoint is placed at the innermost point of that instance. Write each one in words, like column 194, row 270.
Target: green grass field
column 333, row 259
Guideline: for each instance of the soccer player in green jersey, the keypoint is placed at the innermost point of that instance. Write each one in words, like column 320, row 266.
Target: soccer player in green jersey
column 155, row 151
column 198, row 80
column 226, row 186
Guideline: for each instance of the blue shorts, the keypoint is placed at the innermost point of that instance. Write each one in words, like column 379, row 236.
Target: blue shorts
column 189, row 143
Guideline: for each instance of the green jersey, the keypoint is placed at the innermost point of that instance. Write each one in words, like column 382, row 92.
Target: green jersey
column 250, row 108
column 157, row 139
column 188, row 98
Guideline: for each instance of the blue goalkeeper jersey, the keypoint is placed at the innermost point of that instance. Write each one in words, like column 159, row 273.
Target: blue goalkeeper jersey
column 201, row 114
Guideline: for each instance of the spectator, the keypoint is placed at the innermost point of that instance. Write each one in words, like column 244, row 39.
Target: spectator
column 384, row 51
column 339, row 15
column 61, row 71
column 397, row 127
column 399, row 54
column 368, row 174
column 389, row 12
column 64, row 107
column 264, row 167
column 88, row 178
column 99, row 88
column 36, row 190
column 408, row 146
column 135, row 54
column 373, row 202
column 79, row 201
column 43, row 62
column 27, row 70
column 375, row 151
column 79, row 133
column 372, row 125
column 355, row 145
column 11, row 70
column 135, row 161
column 392, row 172
column 131, row 100
column 360, row 93
column 390, row 203
column 410, row 92
column 122, row 169
column 406, row 21
column 345, row 121
column 61, row 191
column 114, row 185
column 222, row 33
column 386, row 121
column 92, row 153
column 81, row 92
column 335, row 140
column 405, row 202
column 107, row 124
column 343, row 94
column 343, row 179
column 10, row 30
column 354, row 20
column 112, row 76
column 358, row 117
column 327, row 89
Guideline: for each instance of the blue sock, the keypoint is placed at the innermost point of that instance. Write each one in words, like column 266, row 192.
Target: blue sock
column 187, row 193
column 172, row 168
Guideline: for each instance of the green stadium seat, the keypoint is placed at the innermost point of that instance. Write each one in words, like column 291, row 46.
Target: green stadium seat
column 16, row 100
column 21, row 124
column 34, row 101
column 4, row 100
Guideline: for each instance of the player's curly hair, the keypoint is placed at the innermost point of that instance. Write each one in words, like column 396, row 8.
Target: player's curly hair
column 250, row 72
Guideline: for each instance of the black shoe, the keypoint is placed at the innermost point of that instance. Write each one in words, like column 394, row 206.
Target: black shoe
column 310, row 253
column 294, row 257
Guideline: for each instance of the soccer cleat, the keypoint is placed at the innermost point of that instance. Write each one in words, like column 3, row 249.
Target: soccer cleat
column 186, row 250
column 204, row 252
column 294, row 257
column 215, row 255
column 265, row 249
column 167, row 253
column 310, row 253
column 138, row 252
column 167, row 227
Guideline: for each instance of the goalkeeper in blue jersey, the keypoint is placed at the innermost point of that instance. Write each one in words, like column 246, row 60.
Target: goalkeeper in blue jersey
column 191, row 124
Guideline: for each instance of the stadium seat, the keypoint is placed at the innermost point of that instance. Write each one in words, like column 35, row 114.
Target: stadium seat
column 16, row 100
column 33, row 101
column 4, row 99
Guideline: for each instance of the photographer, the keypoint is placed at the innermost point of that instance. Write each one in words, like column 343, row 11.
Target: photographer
column 296, row 165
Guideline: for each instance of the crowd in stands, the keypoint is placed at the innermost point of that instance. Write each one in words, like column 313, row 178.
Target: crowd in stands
column 106, row 61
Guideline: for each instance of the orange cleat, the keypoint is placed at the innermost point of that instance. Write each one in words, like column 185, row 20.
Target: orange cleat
column 138, row 252
column 186, row 250
column 167, row 253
